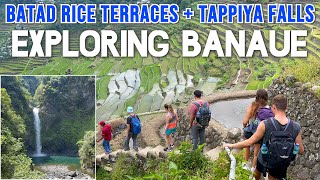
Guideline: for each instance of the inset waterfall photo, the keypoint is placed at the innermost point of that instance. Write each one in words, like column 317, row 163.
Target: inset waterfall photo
column 47, row 127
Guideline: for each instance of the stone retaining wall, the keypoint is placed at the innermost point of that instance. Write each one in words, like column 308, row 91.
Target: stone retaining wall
column 216, row 133
column 303, row 107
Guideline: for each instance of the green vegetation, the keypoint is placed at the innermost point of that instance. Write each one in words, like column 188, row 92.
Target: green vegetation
column 67, row 108
column 102, row 87
column 306, row 71
column 21, row 100
column 257, row 72
column 87, row 151
column 67, row 112
column 14, row 161
column 186, row 165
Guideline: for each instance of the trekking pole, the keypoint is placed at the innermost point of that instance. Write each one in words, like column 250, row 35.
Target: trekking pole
column 232, row 173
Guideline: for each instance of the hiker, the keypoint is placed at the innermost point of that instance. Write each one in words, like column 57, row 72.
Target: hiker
column 257, row 111
column 171, row 126
column 200, row 116
column 133, row 129
column 106, row 135
column 281, row 138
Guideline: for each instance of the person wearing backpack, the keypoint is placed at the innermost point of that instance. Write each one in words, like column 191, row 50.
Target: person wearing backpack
column 171, row 126
column 106, row 135
column 133, row 129
column 257, row 111
column 281, row 138
column 200, row 116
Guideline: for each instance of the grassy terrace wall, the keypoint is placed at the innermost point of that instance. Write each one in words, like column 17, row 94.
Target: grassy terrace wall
column 254, row 73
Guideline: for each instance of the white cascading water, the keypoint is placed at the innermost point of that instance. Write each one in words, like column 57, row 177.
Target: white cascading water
column 38, row 131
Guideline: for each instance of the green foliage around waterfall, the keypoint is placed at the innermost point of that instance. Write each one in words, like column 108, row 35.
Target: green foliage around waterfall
column 14, row 161
column 67, row 111
column 188, row 165
column 20, row 101
column 87, row 152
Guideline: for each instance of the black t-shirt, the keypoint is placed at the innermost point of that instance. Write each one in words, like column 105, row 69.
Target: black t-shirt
column 129, row 120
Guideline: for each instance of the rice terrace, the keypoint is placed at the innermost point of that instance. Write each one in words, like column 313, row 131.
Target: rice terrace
column 144, row 82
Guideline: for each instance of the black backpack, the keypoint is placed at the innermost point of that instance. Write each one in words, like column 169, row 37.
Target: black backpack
column 280, row 145
column 203, row 114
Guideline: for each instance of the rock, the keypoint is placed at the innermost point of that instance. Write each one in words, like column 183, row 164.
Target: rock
column 303, row 173
column 234, row 133
column 317, row 177
column 315, row 88
column 315, row 171
column 298, row 84
column 307, row 85
column 72, row 173
column 290, row 80
column 313, row 138
column 107, row 168
column 311, row 146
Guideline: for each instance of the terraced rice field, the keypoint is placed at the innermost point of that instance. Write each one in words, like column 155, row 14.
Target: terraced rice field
column 164, row 80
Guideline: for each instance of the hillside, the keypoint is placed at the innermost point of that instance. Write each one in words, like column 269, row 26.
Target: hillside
column 167, row 79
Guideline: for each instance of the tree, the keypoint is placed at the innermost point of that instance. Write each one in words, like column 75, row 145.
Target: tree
column 14, row 161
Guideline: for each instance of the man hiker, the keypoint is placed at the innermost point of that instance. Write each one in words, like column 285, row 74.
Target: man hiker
column 106, row 135
column 281, row 141
column 200, row 116
column 133, row 129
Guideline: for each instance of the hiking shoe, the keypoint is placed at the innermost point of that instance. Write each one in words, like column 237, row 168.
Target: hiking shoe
column 126, row 149
column 171, row 145
column 167, row 150
column 136, row 149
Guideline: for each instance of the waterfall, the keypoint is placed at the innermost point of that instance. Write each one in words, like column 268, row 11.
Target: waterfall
column 38, row 131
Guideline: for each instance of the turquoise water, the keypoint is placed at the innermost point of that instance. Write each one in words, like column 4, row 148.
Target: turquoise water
column 55, row 160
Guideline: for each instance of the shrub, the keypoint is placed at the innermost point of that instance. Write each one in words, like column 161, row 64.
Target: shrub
column 187, row 165
column 87, row 151
column 188, row 159
column 306, row 71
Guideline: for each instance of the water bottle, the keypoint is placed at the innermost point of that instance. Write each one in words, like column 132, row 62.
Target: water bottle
column 264, row 151
column 296, row 149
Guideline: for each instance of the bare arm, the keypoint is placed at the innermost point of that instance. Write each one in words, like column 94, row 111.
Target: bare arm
column 252, row 140
column 100, row 139
column 247, row 116
column 299, row 141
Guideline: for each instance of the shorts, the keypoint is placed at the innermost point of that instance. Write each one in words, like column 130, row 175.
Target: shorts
column 278, row 172
column 170, row 131
column 247, row 135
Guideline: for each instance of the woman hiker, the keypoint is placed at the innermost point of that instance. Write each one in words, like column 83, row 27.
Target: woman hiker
column 171, row 126
column 257, row 111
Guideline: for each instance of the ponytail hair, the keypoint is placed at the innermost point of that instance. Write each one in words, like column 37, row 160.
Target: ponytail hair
column 169, row 108
column 261, row 101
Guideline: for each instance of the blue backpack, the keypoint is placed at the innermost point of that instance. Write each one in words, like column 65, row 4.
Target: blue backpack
column 135, row 124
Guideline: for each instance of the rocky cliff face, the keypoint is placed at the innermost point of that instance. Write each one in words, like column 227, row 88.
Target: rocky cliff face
column 67, row 106
column 304, row 107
